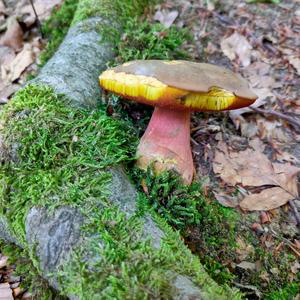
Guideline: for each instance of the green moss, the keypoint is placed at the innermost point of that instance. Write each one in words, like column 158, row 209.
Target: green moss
column 62, row 153
column 128, row 267
column 119, row 10
column 143, row 40
column 209, row 229
column 56, row 27
column 289, row 292
column 274, row 279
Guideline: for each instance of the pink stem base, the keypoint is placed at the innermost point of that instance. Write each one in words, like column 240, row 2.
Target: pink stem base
column 166, row 143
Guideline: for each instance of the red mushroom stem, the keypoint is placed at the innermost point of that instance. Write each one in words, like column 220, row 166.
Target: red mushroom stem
column 166, row 143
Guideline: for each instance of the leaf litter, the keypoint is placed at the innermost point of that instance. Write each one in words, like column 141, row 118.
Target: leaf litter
column 20, row 41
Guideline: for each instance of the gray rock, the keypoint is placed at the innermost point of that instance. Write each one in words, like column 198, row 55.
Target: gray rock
column 53, row 235
column 152, row 231
column 186, row 289
column 122, row 191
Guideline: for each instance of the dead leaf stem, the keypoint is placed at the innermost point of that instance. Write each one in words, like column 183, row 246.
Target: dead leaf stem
column 38, row 23
column 289, row 119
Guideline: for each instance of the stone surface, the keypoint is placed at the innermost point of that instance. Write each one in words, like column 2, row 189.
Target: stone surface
column 122, row 191
column 75, row 67
column 186, row 289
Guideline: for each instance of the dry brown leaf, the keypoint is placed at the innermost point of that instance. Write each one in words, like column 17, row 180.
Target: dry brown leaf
column 166, row 18
column 7, row 55
column 252, row 167
column 273, row 130
column 237, row 46
column 43, row 9
column 257, row 74
column 226, row 200
column 243, row 250
column 20, row 63
column 246, row 265
column 5, row 292
column 266, row 200
column 6, row 91
column 295, row 268
column 249, row 168
column 13, row 36
column 295, row 62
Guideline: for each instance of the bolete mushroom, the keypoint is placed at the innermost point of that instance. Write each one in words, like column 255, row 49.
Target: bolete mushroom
column 175, row 88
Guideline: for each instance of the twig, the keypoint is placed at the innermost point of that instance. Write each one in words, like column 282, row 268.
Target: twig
column 295, row 211
column 288, row 243
column 289, row 119
column 38, row 23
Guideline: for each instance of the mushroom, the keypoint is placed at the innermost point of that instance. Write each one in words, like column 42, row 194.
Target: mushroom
column 175, row 88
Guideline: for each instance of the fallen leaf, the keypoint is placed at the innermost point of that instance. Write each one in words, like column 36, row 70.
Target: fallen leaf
column 237, row 46
column 7, row 55
column 226, row 200
column 13, row 36
column 266, row 200
column 3, row 261
column 243, row 249
column 246, row 265
column 295, row 62
column 262, row 84
column 6, row 91
column 272, row 130
column 252, row 167
column 165, row 17
column 295, row 268
column 264, row 217
column 5, row 292
column 43, row 9
column 20, row 63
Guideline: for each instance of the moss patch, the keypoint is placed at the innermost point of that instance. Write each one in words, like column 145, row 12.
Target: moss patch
column 144, row 40
column 120, row 9
column 208, row 228
column 62, row 152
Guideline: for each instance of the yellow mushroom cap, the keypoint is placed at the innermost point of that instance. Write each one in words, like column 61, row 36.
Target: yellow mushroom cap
column 179, row 84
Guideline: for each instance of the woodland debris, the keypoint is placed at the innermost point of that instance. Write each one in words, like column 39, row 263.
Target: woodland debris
column 252, row 168
column 236, row 46
column 5, row 292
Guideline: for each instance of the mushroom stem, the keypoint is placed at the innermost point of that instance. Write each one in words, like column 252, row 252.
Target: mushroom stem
column 166, row 143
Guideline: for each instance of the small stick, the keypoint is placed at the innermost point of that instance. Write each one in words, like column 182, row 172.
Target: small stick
column 38, row 23
column 279, row 115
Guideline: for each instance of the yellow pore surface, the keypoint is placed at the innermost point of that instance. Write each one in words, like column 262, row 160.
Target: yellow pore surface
column 154, row 91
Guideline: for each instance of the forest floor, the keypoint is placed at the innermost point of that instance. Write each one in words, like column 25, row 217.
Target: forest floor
column 247, row 160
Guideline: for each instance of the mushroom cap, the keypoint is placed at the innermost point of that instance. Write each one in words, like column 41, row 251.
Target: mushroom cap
column 179, row 84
